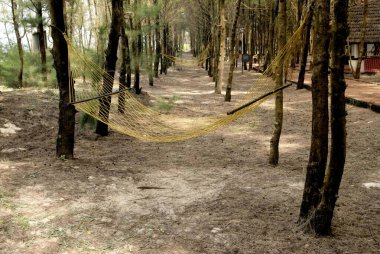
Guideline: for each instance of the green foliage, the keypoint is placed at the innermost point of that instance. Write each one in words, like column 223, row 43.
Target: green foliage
column 10, row 65
column 4, row 201
column 29, row 18
column 166, row 104
column 22, row 222
column 86, row 119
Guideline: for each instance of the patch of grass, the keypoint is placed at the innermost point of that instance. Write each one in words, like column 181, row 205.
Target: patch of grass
column 109, row 246
column 5, row 202
column 58, row 232
column 63, row 158
column 166, row 104
column 22, row 222
column 51, row 93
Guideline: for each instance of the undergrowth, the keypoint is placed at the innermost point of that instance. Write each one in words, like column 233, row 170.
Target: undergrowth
column 166, row 104
column 10, row 65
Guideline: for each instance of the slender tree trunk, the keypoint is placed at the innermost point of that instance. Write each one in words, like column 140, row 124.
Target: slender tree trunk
column 91, row 23
column 234, row 50
column 216, row 54
column 70, row 19
column 110, row 65
column 362, row 48
column 164, row 60
column 274, row 153
column 334, row 173
column 7, row 34
column 319, row 137
column 158, row 43
column 66, row 122
column 138, row 52
column 210, row 58
column 305, row 49
column 272, row 24
column 150, row 54
column 41, row 35
column 125, row 66
column 252, row 41
column 15, row 18
column 300, row 10
column 222, row 47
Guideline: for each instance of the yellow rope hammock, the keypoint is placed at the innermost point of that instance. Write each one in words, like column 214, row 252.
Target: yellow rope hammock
column 126, row 114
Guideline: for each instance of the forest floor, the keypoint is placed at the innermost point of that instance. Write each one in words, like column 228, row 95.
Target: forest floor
column 366, row 89
column 213, row 194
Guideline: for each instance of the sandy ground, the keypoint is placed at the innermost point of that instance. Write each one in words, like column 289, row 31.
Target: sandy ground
column 213, row 194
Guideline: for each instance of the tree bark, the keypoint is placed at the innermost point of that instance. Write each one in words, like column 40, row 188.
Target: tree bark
column 319, row 137
column 66, row 122
column 222, row 47
column 271, row 40
column 125, row 66
column 15, row 18
column 41, row 35
column 137, row 55
column 234, row 50
column 305, row 49
column 164, row 60
column 274, row 153
column 110, row 65
column 150, row 54
column 158, row 44
column 325, row 210
column 216, row 54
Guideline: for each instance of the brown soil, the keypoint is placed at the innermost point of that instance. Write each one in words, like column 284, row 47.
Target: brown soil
column 213, row 194
column 366, row 89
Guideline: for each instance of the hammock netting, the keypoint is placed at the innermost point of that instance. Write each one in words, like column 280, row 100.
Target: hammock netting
column 95, row 95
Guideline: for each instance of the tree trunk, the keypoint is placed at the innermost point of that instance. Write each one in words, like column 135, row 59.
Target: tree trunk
column 362, row 48
column 158, row 43
column 319, row 137
column 305, row 50
column 91, row 23
column 234, row 50
column 7, row 34
column 125, row 66
column 272, row 24
column 15, row 18
column 41, row 35
column 66, row 122
column 216, row 54
column 275, row 140
column 150, row 54
column 110, row 65
column 325, row 210
column 210, row 59
column 164, row 60
column 137, row 55
column 222, row 47
column 300, row 15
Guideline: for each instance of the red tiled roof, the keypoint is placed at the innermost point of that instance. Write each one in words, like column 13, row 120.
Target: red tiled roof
column 355, row 20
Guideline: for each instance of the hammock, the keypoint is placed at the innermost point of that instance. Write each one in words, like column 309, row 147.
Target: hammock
column 123, row 112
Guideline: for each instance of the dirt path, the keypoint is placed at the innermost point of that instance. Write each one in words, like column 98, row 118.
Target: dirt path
column 214, row 194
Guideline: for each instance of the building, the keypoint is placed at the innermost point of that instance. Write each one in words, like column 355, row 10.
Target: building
column 371, row 63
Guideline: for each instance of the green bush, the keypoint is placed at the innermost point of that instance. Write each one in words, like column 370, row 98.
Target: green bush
column 166, row 104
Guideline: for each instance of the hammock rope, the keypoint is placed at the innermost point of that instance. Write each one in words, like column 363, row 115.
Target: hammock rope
column 123, row 112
